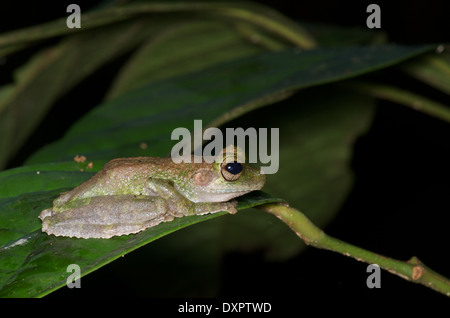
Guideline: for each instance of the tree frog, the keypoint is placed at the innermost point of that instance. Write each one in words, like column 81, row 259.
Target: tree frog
column 131, row 194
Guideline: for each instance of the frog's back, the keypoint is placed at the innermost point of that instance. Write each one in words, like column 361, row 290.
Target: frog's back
column 118, row 176
column 135, row 162
column 126, row 168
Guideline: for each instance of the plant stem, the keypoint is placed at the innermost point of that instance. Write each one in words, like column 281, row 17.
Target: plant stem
column 253, row 13
column 412, row 270
column 407, row 98
column 281, row 26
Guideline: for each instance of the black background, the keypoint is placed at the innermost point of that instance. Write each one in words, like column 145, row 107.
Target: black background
column 400, row 201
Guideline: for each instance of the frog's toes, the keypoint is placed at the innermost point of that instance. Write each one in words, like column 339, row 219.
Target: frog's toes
column 231, row 206
column 45, row 213
column 169, row 217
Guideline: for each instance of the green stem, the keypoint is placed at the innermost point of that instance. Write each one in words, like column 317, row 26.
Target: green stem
column 412, row 270
column 404, row 97
column 281, row 26
column 260, row 15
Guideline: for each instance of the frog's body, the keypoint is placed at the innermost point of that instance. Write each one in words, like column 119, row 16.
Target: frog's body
column 131, row 194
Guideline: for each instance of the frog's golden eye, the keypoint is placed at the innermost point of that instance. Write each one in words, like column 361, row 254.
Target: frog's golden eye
column 231, row 171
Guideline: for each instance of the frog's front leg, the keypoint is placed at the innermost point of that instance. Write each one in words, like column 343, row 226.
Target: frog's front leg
column 213, row 207
column 179, row 206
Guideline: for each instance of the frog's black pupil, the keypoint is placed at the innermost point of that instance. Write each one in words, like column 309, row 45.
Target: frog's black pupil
column 234, row 167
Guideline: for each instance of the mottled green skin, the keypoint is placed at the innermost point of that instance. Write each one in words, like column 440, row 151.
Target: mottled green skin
column 131, row 194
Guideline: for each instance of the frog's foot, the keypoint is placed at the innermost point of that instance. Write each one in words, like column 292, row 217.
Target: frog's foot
column 213, row 207
column 45, row 213
column 231, row 206
column 170, row 217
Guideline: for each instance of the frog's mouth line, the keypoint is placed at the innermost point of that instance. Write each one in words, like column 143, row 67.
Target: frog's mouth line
column 230, row 191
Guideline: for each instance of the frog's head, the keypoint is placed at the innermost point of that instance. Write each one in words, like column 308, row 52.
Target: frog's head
column 222, row 180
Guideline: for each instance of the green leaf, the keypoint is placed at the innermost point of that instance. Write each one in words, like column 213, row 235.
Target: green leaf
column 171, row 53
column 53, row 71
column 149, row 114
column 315, row 151
column 404, row 97
column 433, row 69
column 34, row 178
column 34, row 264
column 335, row 35
column 259, row 15
column 316, row 146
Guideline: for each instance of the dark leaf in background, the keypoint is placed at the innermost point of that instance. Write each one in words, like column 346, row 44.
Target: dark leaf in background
column 234, row 69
